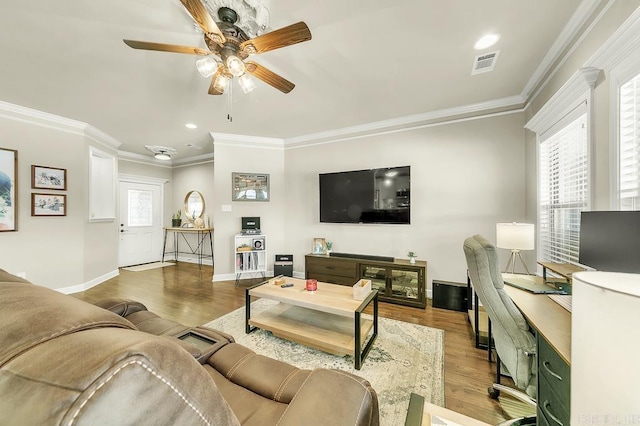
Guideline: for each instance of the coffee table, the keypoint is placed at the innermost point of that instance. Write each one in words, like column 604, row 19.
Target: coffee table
column 329, row 319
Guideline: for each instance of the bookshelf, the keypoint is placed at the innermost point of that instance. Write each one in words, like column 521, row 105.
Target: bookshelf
column 250, row 254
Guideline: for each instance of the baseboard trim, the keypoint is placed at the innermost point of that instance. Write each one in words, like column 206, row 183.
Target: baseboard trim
column 246, row 275
column 86, row 286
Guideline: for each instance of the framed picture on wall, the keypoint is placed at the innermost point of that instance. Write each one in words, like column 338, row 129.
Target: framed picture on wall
column 48, row 178
column 8, row 192
column 48, row 204
column 250, row 187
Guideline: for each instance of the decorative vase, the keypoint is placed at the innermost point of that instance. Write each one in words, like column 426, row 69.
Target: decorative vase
column 412, row 260
column 176, row 223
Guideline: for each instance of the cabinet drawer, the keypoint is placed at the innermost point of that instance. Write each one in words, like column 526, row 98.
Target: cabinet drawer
column 554, row 370
column 325, row 266
column 553, row 406
column 332, row 279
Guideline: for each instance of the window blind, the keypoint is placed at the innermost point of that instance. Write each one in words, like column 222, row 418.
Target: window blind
column 563, row 188
column 629, row 145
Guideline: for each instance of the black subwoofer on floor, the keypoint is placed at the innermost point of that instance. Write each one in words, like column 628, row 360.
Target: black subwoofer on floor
column 283, row 265
column 450, row 295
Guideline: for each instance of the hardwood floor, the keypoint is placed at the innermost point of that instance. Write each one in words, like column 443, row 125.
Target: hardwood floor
column 186, row 294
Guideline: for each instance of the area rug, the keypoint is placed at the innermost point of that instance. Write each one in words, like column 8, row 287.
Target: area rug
column 147, row 266
column 405, row 358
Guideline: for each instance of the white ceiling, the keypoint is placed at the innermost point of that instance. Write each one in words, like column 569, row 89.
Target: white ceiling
column 368, row 61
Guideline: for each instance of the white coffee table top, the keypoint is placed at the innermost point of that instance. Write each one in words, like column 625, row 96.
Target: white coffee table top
column 330, row 298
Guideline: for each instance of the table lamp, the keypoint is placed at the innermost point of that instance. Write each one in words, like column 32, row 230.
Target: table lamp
column 515, row 237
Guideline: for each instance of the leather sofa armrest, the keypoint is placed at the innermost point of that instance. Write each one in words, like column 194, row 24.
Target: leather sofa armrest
column 119, row 306
column 330, row 394
column 261, row 375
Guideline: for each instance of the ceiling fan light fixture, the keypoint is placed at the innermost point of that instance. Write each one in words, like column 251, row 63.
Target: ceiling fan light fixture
column 207, row 66
column 162, row 155
column 235, row 65
column 221, row 82
column 246, row 83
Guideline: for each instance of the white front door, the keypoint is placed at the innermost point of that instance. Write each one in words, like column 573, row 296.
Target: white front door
column 140, row 223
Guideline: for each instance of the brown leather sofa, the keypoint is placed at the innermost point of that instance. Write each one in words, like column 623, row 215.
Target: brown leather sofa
column 65, row 361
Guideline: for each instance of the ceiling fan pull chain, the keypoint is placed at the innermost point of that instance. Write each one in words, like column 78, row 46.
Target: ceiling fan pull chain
column 230, row 101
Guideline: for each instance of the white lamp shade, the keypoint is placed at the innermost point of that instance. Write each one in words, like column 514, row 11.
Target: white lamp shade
column 515, row 236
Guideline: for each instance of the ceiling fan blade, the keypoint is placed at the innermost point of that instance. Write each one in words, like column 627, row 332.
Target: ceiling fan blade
column 163, row 47
column 269, row 77
column 212, row 89
column 293, row 34
column 202, row 17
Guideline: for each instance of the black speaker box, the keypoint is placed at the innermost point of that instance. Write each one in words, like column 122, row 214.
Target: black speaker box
column 450, row 295
column 283, row 265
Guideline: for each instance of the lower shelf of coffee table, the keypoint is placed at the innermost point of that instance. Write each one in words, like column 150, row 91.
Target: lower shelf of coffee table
column 328, row 332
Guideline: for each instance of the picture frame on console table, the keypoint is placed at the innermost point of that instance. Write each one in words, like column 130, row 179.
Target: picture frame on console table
column 48, row 204
column 319, row 246
column 8, row 193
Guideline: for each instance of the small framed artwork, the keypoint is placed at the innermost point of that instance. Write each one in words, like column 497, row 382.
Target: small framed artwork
column 48, row 178
column 319, row 246
column 8, row 192
column 48, row 205
column 249, row 187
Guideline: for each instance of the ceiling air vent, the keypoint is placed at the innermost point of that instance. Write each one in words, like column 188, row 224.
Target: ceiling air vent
column 485, row 62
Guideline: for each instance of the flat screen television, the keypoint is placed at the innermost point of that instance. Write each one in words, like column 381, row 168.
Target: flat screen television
column 366, row 196
column 610, row 241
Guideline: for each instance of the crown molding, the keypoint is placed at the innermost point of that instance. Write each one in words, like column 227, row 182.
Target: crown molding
column 582, row 14
column 407, row 122
column 123, row 177
column 56, row 122
column 246, row 141
column 574, row 92
column 623, row 43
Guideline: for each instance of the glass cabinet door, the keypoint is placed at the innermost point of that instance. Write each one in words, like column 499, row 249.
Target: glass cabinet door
column 405, row 284
column 378, row 277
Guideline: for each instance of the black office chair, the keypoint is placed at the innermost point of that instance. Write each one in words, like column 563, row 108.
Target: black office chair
column 515, row 345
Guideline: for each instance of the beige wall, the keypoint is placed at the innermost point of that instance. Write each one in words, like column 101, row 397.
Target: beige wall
column 465, row 177
column 55, row 252
column 198, row 177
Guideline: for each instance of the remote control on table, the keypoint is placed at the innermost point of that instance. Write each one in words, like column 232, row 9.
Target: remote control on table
column 286, row 285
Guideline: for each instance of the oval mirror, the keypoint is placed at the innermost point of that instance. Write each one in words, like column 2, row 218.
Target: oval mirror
column 193, row 205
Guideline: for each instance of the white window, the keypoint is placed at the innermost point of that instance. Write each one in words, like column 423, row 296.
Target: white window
column 140, row 208
column 563, row 191
column 629, row 145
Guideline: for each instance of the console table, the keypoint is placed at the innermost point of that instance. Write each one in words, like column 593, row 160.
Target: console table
column 397, row 280
column 201, row 237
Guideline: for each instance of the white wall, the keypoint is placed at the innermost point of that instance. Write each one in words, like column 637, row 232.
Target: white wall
column 465, row 177
column 247, row 157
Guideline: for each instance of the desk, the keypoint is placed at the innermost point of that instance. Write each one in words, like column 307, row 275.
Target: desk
column 547, row 317
column 552, row 324
column 201, row 237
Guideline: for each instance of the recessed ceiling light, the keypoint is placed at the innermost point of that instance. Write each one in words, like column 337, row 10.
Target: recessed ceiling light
column 486, row 41
column 190, row 126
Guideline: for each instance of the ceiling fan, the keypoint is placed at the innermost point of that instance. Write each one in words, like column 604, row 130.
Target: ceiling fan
column 229, row 47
